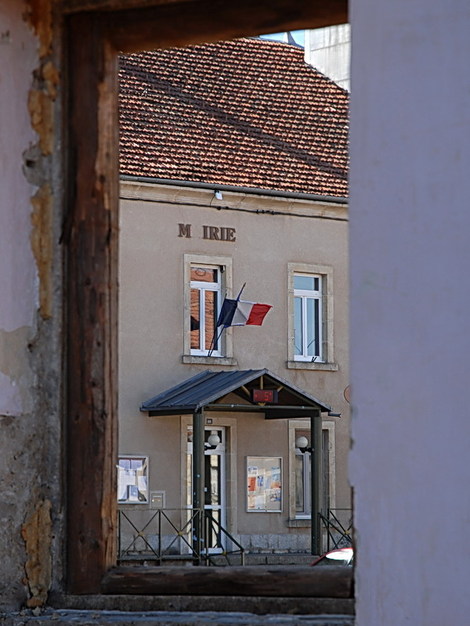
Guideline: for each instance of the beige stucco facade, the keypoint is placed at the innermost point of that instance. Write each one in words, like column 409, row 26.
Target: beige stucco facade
column 165, row 228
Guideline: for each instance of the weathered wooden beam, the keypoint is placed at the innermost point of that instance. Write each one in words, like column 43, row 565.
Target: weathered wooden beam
column 184, row 23
column 90, row 238
column 326, row 13
column 285, row 581
column 80, row 6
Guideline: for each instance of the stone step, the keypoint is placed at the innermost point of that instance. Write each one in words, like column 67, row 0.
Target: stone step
column 65, row 617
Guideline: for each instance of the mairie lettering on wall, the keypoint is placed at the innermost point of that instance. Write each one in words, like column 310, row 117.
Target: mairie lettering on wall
column 216, row 233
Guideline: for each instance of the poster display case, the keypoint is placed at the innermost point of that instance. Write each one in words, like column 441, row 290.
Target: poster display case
column 133, row 485
column 264, row 484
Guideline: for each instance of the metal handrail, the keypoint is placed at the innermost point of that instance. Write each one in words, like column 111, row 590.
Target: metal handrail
column 211, row 522
column 339, row 535
column 183, row 532
column 158, row 553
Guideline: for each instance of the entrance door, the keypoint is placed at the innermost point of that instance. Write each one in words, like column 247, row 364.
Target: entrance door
column 214, row 487
column 215, row 490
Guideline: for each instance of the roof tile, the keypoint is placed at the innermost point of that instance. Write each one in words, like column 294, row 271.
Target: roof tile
column 247, row 113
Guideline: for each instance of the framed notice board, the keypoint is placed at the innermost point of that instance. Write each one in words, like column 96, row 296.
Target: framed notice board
column 264, row 484
column 133, row 480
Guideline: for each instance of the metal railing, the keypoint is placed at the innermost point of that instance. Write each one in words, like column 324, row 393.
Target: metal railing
column 338, row 524
column 171, row 535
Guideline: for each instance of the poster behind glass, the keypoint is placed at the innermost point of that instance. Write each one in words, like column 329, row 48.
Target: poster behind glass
column 264, row 484
column 133, row 480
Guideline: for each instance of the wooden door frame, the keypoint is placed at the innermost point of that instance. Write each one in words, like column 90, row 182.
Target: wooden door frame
column 94, row 33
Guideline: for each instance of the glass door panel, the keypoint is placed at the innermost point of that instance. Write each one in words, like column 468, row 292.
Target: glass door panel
column 214, row 488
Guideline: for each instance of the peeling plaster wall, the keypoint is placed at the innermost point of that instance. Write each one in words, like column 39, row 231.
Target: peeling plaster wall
column 18, row 276
column 30, row 315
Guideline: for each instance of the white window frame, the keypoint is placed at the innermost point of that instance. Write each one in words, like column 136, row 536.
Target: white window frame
column 325, row 295
column 304, row 518
column 224, row 355
column 204, row 287
column 305, row 296
column 307, row 491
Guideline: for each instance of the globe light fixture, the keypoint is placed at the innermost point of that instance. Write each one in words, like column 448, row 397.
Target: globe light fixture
column 213, row 440
column 302, row 444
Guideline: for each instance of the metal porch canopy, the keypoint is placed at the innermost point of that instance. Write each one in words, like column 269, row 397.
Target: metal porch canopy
column 210, row 391
column 207, row 390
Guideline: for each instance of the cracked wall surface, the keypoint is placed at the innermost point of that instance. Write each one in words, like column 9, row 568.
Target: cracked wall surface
column 36, row 533
column 30, row 309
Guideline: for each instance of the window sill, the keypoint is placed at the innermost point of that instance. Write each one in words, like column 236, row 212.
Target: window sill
column 300, row 522
column 308, row 365
column 208, row 360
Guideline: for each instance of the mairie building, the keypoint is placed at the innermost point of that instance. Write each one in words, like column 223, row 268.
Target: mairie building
column 233, row 430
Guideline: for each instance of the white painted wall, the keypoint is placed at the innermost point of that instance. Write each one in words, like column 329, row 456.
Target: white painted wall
column 18, row 288
column 329, row 51
column 410, row 317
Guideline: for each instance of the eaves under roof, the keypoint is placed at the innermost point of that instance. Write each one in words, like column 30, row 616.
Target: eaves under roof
column 245, row 113
column 207, row 390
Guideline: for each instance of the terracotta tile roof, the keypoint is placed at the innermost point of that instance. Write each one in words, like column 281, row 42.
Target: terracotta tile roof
column 248, row 113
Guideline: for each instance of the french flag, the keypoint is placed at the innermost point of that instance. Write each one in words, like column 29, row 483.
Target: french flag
column 242, row 313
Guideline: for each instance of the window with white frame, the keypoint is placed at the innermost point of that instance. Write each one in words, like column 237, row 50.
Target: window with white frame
column 300, row 479
column 207, row 282
column 206, row 295
column 303, row 481
column 310, row 315
column 303, row 478
column 308, row 344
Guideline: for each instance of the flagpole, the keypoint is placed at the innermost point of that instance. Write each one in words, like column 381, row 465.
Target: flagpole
column 240, row 293
column 216, row 338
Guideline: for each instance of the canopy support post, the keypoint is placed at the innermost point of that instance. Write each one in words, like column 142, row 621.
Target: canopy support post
column 198, row 485
column 316, row 481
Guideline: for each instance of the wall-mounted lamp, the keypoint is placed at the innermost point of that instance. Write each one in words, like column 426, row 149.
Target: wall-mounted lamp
column 331, row 414
column 302, row 444
column 212, row 441
column 218, row 195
